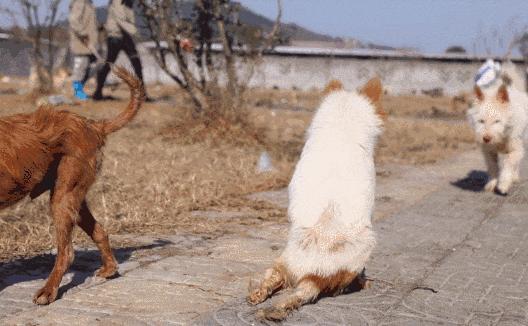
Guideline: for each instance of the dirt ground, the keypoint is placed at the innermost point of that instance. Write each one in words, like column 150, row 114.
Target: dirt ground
column 159, row 177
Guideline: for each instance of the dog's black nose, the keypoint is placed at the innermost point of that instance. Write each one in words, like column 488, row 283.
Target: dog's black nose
column 486, row 139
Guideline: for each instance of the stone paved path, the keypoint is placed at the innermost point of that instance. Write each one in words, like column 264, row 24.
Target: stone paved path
column 447, row 255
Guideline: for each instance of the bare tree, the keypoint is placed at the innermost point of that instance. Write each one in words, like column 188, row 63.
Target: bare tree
column 215, row 54
column 36, row 21
column 522, row 42
column 499, row 40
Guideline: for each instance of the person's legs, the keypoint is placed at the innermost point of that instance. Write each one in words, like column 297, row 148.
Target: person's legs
column 91, row 59
column 130, row 49
column 114, row 46
column 81, row 64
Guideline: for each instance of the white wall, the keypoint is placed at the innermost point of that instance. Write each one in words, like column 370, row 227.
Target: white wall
column 400, row 75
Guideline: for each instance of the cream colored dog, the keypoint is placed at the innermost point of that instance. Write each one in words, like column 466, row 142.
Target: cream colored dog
column 331, row 202
column 499, row 120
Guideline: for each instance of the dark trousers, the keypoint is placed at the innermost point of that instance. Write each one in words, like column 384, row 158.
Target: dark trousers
column 114, row 46
column 91, row 59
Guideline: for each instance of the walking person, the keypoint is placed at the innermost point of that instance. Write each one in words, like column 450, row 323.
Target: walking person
column 120, row 27
column 83, row 41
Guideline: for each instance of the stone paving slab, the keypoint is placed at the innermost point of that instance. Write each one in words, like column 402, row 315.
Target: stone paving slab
column 169, row 290
column 458, row 257
column 20, row 279
column 447, row 255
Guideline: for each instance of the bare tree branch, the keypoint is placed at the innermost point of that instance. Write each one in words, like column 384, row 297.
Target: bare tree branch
column 200, row 71
column 272, row 36
column 39, row 26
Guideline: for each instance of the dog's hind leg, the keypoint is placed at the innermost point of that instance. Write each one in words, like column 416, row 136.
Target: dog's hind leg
column 274, row 279
column 100, row 238
column 305, row 292
column 308, row 290
column 73, row 180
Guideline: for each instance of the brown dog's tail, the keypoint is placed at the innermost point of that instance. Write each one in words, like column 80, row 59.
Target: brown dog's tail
column 137, row 97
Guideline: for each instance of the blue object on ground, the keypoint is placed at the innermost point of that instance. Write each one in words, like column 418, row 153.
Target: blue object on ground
column 78, row 91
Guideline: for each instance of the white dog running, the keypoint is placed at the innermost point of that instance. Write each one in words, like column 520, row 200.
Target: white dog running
column 499, row 120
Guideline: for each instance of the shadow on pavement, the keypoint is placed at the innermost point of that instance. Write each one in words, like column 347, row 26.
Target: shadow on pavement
column 85, row 264
column 474, row 181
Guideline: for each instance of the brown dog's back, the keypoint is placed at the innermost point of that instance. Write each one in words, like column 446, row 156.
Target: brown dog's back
column 30, row 143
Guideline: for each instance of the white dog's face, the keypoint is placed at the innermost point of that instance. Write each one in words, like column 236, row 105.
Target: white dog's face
column 490, row 116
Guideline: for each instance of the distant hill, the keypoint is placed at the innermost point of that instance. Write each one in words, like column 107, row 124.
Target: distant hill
column 16, row 52
column 290, row 31
column 248, row 17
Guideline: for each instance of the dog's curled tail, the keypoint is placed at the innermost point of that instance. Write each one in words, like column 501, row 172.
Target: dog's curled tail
column 137, row 97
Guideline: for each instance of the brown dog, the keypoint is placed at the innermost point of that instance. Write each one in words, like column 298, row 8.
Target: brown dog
column 60, row 151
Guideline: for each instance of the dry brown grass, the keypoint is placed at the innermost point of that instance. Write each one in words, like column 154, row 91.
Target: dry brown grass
column 164, row 165
column 419, row 129
column 422, row 141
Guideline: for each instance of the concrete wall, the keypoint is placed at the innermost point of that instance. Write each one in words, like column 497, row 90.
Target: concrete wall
column 307, row 68
column 400, row 74
column 14, row 58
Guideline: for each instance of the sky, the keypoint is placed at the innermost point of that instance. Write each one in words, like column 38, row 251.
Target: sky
column 428, row 25
column 480, row 26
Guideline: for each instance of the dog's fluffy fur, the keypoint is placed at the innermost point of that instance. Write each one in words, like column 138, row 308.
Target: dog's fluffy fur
column 499, row 120
column 60, row 151
column 331, row 202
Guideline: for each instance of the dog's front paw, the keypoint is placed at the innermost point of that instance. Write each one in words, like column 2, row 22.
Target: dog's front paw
column 501, row 191
column 45, row 296
column 490, row 186
column 503, row 187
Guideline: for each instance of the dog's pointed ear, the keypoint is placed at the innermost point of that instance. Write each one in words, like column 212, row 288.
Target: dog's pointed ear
column 502, row 94
column 333, row 86
column 478, row 93
column 372, row 89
